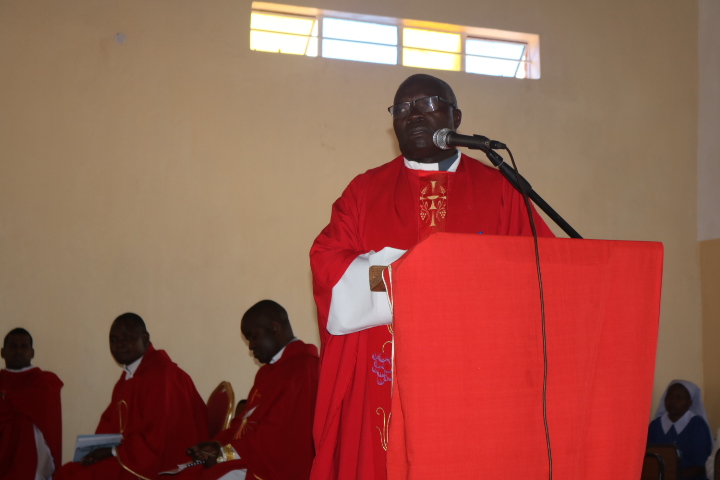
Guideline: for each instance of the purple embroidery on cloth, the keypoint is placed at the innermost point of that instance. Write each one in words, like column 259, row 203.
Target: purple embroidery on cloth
column 382, row 366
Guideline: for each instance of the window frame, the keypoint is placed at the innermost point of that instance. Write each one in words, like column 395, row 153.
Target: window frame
column 532, row 41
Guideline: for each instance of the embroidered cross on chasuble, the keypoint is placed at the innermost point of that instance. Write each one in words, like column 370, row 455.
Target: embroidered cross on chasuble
column 433, row 203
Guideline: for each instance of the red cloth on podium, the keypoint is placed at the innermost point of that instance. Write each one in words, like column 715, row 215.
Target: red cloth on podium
column 380, row 208
column 160, row 414
column 469, row 363
column 28, row 398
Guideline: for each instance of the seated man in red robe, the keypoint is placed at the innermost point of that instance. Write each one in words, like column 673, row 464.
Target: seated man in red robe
column 272, row 440
column 30, row 413
column 154, row 405
column 380, row 215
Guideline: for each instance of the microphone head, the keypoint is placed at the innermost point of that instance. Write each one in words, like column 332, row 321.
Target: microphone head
column 440, row 138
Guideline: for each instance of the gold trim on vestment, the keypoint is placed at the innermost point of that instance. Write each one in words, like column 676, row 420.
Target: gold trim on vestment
column 120, row 415
column 385, row 431
column 128, row 469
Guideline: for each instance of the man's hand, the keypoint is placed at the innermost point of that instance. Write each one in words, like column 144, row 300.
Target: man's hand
column 96, row 455
column 206, row 452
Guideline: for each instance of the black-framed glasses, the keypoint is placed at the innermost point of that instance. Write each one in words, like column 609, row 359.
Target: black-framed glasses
column 424, row 105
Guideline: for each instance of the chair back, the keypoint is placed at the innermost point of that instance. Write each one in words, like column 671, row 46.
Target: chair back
column 716, row 475
column 670, row 458
column 653, row 467
column 220, row 405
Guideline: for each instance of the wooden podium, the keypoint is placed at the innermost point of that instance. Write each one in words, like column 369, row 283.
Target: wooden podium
column 467, row 395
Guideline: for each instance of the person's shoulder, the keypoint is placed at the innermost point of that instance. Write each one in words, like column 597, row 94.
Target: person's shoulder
column 49, row 377
column 157, row 360
column 300, row 348
column 158, row 369
column 698, row 422
column 33, row 377
column 385, row 169
column 476, row 167
column 299, row 355
column 655, row 430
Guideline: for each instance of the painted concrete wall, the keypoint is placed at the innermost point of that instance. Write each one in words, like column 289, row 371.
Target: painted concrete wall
column 710, row 274
column 709, row 201
column 184, row 177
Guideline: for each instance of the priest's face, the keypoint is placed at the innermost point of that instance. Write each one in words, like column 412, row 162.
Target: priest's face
column 18, row 351
column 262, row 339
column 128, row 342
column 415, row 128
column 677, row 401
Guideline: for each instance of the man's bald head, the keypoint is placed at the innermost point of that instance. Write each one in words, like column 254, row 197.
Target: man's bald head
column 267, row 311
column 440, row 86
column 132, row 320
column 267, row 328
column 18, row 331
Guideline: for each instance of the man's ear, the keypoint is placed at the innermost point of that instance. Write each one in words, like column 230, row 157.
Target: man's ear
column 457, row 117
column 275, row 329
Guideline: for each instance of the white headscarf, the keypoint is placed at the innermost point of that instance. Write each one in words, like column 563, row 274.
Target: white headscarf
column 697, row 407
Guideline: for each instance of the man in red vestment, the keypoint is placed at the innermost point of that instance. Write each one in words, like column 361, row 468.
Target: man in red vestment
column 30, row 413
column 272, row 440
column 154, row 405
column 380, row 215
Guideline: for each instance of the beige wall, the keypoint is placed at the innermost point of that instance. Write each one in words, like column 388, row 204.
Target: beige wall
column 710, row 275
column 184, row 177
column 709, row 199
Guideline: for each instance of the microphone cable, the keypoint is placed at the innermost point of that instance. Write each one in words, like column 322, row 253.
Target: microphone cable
column 542, row 312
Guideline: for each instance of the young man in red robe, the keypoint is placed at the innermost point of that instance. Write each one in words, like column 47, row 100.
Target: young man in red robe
column 30, row 413
column 154, row 405
column 272, row 440
column 380, row 215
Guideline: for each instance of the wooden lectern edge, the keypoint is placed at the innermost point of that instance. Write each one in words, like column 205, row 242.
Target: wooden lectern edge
column 376, row 278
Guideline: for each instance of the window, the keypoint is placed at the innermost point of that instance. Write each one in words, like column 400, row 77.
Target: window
column 360, row 41
column 345, row 36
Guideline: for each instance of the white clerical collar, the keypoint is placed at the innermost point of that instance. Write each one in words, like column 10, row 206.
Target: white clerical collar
column 679, row 425
column 433, row 167
column 24, row 369
column 278, row 355
column 132, row 368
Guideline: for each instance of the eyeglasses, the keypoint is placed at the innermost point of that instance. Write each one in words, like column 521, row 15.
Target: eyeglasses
column 424, row 105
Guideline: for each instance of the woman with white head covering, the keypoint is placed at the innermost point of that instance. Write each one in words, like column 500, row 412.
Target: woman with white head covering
column 680, row 419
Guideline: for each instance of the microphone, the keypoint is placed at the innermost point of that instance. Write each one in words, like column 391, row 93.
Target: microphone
column 447, row 139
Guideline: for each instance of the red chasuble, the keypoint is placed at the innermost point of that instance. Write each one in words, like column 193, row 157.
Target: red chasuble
column 159, row 413
column 275, row 441
column 389, row 206
column 28, row 398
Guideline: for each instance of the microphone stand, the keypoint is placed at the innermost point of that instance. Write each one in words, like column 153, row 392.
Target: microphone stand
column 512, row 177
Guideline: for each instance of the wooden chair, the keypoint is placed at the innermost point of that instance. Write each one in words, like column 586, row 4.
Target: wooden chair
column 221, row 406
column 717, row 466
column 670, row 458
column 653, row 467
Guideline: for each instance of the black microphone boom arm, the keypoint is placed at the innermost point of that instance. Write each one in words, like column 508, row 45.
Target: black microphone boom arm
column 512, row 176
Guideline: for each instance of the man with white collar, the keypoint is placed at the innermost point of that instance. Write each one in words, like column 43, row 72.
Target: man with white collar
column 380, row 215
column 154, row 405
column 30, row 413
column 272, row 440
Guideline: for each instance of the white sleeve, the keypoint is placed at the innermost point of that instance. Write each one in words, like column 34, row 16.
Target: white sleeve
column 45, row 464
column 353, row 306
